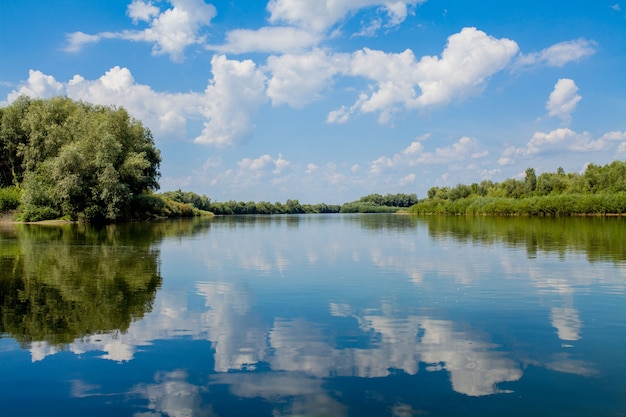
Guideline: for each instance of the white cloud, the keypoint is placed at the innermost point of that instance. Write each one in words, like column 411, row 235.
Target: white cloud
column 563, row 99
column 163, row 113
column 170, row 31
column 235, row 92
column 406, row 180
column 564, row 139
column 468, row 60
column 38, row 85
column 311, row 168
column 267, row 39
column 296, row 25
column 616, row 136
column 465, row 148
column 319, row 16
column 299, row 79
column 264, row 164
column 78, row 40
column 558, row 54
column 232, row 96
column 555, row 140
column 139, row 10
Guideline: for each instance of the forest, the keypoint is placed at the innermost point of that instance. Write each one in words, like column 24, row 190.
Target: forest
column 599, row 190
column 62, row 159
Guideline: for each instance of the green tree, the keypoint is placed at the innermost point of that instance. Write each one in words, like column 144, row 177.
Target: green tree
column 530, row 180
column 76, row 160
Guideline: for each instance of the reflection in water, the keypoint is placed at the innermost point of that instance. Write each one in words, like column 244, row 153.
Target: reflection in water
column 62, row 283
column 293, row 393
column 301, row 346
column 294, row 307
column 598, row 237
column 66, row 283
column 567, row 322
column 171, row 395
column 235, row 333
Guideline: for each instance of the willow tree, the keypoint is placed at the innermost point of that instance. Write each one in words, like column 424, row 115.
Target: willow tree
column 76, row 160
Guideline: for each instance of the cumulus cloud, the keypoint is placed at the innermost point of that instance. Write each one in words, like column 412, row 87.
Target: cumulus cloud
column 406, row 180
column 232, row 96
column 297, row 25
column 563, row 99
column 38, row 85
column 170, row 31
column 138, row 10
column 263, row 165
column 299, row 79
column 321, row 15
column 415, row 154
column 558, row 54
column 253, row 173
column 563, row 139
column 468, row 60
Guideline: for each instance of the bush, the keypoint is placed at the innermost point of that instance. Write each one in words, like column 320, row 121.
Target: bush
column 38, row 213
column 9, row 198
column 359, row 207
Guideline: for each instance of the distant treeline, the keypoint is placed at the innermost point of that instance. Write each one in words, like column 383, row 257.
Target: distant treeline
column 372, row 203
column 600, row 190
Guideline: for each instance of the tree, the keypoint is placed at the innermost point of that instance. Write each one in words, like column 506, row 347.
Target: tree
column 530, row 180
column 76, row 160
column 201, row 202
column 12, row 138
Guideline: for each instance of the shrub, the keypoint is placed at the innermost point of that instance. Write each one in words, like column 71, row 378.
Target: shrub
column 9, row 198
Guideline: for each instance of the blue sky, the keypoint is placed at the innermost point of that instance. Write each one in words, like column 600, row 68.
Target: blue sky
column 331, row 100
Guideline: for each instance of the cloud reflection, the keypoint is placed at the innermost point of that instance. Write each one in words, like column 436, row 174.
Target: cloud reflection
column 171, row 395
column 293, row 353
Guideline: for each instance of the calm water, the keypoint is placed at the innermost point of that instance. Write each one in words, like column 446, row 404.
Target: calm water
column 324, row 315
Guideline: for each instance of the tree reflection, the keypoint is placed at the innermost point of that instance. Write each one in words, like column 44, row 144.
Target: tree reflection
column 60, row 283
column 600, row 238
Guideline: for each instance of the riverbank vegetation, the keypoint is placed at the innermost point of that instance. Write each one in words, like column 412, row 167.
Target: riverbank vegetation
column 377, row 203
column 600, row 190
column 62, row 159
column 75, row 161
column 372, row 203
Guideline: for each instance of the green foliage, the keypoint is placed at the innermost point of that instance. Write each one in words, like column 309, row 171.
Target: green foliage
column 9, row 198
column 377, row 203
column 551, row 205
column 76, row 160
column 391, row 200
column 366, row 207
column 61, row 283
column 201, row 202
column 601, row 190
column 265, row 207
column 530, row 181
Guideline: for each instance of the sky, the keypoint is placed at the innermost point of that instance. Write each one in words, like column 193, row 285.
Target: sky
column 331, row 100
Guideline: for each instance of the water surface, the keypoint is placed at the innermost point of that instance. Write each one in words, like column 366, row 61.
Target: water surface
column 315, row 315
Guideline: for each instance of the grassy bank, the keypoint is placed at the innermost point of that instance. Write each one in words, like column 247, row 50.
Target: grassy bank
column 551, row 205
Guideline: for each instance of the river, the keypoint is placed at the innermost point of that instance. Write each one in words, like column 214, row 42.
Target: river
column 315, row 315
